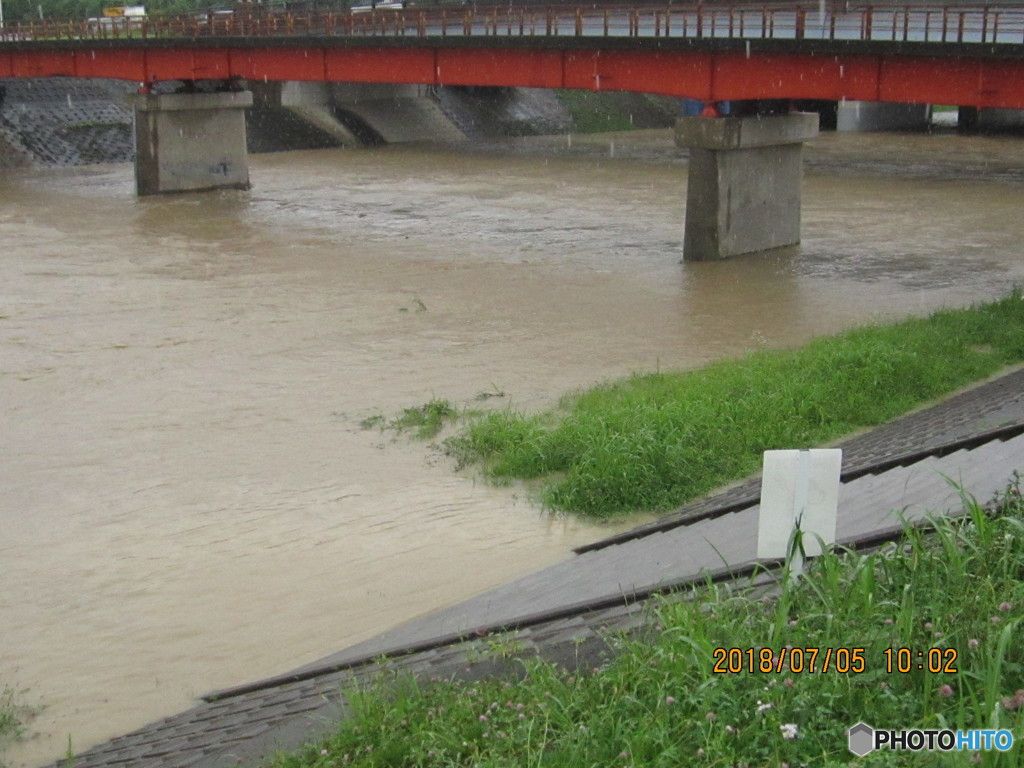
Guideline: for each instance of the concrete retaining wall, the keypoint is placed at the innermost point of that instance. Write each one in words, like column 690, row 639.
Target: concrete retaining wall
column 65, row 121
column 294, row 115
column 1000, row 119
column 487, row 112
column 395, row 113
column 865, row 116
column 72, row 121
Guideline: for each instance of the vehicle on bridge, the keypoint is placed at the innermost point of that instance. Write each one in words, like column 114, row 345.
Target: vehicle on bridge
column 382, row 5
column 122, row 17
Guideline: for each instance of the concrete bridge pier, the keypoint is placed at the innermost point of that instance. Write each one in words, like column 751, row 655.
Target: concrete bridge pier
column 745, row 176
column 864, row 116
column 185, row 142
column 972, row 119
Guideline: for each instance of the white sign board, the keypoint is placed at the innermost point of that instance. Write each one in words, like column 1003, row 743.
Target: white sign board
column 798, row 486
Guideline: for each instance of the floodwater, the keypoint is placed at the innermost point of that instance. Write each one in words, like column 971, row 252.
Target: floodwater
column 187, row 498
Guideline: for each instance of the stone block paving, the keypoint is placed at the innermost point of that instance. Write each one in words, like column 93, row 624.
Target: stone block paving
column 869, row 506
column 247, row 726
column 67, row 120
column 899, row 471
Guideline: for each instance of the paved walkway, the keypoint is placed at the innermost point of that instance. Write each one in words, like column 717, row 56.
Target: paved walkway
column 975, row 439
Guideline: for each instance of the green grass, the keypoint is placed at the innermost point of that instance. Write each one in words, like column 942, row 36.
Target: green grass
column 15, row 716
column 425, row 421
column 658, row 701
column 655, row 441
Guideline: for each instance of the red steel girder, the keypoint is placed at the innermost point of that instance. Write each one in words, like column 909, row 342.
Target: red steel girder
column 188, row 64
column 710, row 75
column 44, row 64
column 931, row 81
column 529, row 68
column 672, row 73
column 279, row 64
column 129, row 64
column 1002, row 84
column 377, row 65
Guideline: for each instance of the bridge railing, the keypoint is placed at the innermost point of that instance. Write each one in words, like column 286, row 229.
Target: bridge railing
column 889, row 23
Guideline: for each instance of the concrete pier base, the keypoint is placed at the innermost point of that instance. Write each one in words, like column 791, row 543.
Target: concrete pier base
column 1000, row 119
column 866, row 116
column 187, row 142
column 745, row 178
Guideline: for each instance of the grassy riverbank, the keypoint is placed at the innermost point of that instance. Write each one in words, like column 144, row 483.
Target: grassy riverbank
column 655, row 441
column 957, row 597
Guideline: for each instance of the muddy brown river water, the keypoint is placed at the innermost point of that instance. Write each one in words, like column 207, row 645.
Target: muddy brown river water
column 187, row 498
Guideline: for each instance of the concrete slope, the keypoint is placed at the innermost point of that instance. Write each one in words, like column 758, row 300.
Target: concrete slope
column 67, row 121
column 12, row 152
column 867, row 506
column 403, row 119
column 323, row 118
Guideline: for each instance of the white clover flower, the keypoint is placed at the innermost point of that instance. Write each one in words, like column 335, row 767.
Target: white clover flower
column 789, row 731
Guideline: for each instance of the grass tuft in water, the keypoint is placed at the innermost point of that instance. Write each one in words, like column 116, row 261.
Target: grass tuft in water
column 425, row 420
column 956, row 595
column 15, row 717
column 655, row 441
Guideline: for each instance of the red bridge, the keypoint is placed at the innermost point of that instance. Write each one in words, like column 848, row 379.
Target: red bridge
column 744, row 172
column 965, row 56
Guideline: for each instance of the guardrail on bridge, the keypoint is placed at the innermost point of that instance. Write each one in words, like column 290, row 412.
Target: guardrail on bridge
column 884, row 23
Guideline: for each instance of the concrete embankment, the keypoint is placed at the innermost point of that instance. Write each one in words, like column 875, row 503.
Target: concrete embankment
column 71, row 121
column 64, row 121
